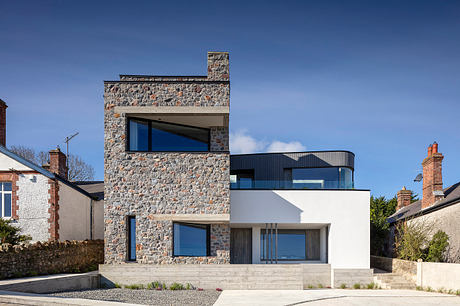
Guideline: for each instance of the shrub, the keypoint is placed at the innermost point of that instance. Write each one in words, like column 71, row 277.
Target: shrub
column 371, row 286
column 437, row 247
column 419, row 288
column 429, row 289
column 189, row 286
column 310, row 286
column 10, row 234
column 357, row 286
column 343, row 286
column 135, row 286
column 411, row 239
column 176, row 286
column 155, row 285
column 458, row 292
column 320, row 286
column 117, row 285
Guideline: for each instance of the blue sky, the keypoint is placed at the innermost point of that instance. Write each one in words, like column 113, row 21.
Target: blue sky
column 378, row 78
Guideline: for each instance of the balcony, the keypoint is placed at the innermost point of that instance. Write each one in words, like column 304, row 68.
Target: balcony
column 247, row 183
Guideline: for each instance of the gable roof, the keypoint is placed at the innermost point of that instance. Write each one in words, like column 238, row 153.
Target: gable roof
column 451, row 196
column 43, row 171
column 95, row 188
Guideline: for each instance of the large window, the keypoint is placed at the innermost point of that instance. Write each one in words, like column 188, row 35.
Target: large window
column 148, row 135
column 290, row 245
column 322, row 178
column 5, row 199
column 191, row 239
column 131, row 238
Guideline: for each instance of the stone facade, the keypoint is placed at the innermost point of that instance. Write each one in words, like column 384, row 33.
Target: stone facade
column 50, row 258
column 149, row 184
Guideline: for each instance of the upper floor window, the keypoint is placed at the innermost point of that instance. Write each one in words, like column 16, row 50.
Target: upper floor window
column 148, row 135
column 242, row 179
column 322, row 178
column 5, row 198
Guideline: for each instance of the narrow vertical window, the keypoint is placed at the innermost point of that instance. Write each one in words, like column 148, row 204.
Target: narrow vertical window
column 5, row 199
column 131, row 238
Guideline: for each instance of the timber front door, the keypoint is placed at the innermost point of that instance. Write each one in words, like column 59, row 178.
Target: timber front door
column 241, row 246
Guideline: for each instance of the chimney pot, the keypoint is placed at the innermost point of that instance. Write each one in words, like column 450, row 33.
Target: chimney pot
column 404, row 197
column 432, row 177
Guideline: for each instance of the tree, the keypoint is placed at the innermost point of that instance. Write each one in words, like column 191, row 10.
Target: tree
column 79, row 170
column 411, row 239
column 10, row 234
column 380, row 209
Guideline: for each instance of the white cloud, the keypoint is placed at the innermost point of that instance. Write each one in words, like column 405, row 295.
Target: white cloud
column 241, row 143
column 279, row 146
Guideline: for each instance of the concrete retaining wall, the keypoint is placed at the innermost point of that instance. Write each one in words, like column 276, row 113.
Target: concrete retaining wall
column 349, row 277
column 286, row 276
column 404, row 267
column 52, row 283
column 438, row 275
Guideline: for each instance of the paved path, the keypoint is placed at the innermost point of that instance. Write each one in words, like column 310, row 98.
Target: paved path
column 334, row 297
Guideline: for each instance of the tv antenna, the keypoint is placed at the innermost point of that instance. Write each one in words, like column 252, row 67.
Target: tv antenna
column 66, row 140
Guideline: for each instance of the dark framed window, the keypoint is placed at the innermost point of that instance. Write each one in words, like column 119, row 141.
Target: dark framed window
column 290, row 245
column 131, row 238
column 5, row 199
column 191, row 239
column 156, row 136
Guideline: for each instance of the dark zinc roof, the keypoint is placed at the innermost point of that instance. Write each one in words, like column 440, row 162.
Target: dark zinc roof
column 451, row 196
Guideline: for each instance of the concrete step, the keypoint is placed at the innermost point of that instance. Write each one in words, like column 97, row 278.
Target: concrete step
column 393, row 281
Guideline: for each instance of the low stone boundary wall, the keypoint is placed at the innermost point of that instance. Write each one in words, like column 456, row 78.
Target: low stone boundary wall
column 257, row 276
column 43, row 258
column 406, row 268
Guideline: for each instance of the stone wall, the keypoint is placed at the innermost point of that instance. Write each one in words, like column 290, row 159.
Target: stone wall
column 404, row 267
column 146, row 184
column 50, row 258
column 33, row 206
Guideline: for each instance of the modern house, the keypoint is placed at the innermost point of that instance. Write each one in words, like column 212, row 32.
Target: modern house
column 439, row 206
column 178, row 207
column 42, row 201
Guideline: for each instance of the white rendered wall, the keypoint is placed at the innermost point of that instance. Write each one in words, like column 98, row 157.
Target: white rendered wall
column 346, row 212
column 74, row 214
column 33, row 206
column 7, row 163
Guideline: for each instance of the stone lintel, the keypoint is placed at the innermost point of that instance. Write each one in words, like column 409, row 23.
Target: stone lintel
column 175, row 110
column 207, row 218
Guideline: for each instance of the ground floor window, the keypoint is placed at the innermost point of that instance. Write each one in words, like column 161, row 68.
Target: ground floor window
column 191, row 239
column 5, row 199
column 290, row 244
column 131, row 238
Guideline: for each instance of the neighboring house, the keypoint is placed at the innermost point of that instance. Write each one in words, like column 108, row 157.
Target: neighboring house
column 174, row 195
column 41, row 201
column 439, row 206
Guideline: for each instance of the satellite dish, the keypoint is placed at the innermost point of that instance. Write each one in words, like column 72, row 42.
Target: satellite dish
column 418, row 178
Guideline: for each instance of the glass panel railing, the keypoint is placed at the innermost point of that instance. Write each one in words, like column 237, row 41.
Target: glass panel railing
column 295, row 184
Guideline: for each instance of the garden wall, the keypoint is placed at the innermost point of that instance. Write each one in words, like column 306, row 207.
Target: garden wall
column 406, row 268
column 50, row 258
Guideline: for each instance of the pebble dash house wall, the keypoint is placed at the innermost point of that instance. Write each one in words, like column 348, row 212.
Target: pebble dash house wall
column 50, row 258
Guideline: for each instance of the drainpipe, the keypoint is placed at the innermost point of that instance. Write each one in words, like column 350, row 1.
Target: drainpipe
column 91, row 219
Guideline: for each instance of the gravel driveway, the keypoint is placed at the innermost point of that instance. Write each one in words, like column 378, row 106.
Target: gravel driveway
column 146, row 297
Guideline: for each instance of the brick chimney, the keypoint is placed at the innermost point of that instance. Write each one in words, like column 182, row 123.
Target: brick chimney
column 3, row 107
column 432, row 176
column 218, row 66
column 404, row 198
column 58, row 162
